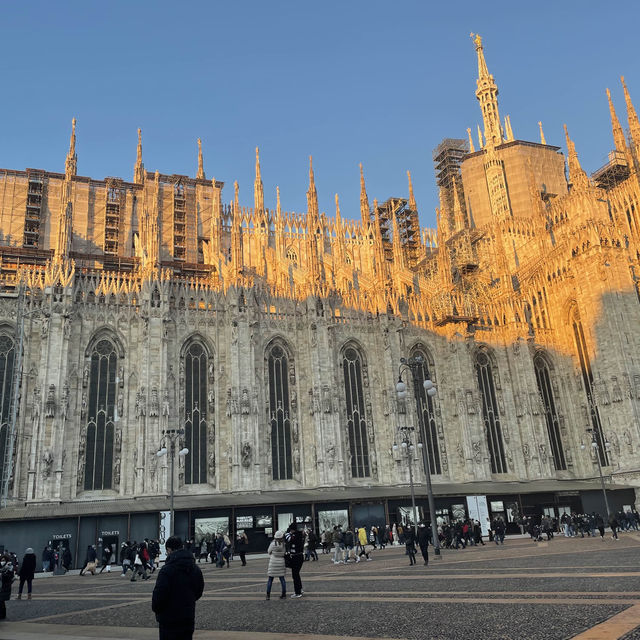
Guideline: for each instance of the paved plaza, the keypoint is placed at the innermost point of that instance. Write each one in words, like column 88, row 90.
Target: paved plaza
column 582, row 588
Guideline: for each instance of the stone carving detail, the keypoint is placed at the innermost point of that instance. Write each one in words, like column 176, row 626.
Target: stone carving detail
column 460, row 451
column 154, row 408
column 296, row 461
column 212, row 466
column 82, row 447
column 245, row 455
column 166, row 406
column 141, row 409
column 543, row 452
column 50, row 405
column 47, row 464
column 477, row 452
column 616, row 390
column 517, row 400
column 83, row 405
column 120, row 404
column 116, row 472
column 331, row 455
column 626, row 436
column 35, row 405
column 471, row 407
column 244, row 402
column 615, row 443
column 526, row 453
column 326, row 399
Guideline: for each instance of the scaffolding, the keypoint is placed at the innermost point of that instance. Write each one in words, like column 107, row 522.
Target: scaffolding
column 33, row 213
column 615, row 171
column 408, row 229
column 447, row 157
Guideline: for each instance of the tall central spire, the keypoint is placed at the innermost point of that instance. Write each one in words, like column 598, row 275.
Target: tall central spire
column 312, row 194
column 71, row 164
column 364, row 202
column 487, row 94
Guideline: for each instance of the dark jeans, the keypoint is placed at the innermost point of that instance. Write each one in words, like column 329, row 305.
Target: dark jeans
column 282, row 583
column 297, row 561
column 424, row 550
column 175, row 634
column 3, row 610
column 242, row 557
column 22, row 581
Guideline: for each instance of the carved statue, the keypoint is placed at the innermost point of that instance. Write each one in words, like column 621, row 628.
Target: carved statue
column 35, row 406
column 50, row 405
column 165, row 403
column 120, row 404
column 64, row 401
column 47, row 460
column 141, row 409
column 83, row 405
column 85, row 376
column 244, row 402
column 154, row 409
column 331, row 455
column 245, row 455
column 296, row 461
column 116, row 472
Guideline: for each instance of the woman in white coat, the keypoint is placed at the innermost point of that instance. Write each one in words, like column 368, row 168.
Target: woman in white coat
column 276, row 567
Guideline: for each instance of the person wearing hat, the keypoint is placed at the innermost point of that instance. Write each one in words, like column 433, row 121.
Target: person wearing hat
column 295, row 547
column 27, row 569
column 276, row 568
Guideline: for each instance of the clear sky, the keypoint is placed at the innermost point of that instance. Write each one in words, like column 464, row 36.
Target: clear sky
column 376, row 82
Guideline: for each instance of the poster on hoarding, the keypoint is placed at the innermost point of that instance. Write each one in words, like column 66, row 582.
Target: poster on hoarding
column 164, row 531
column 208, row 528
column 478, row 510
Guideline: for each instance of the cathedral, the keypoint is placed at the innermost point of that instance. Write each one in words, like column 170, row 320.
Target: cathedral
column 262, row 349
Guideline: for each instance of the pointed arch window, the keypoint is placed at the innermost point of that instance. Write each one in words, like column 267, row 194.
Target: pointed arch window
column 587, row 379
column 426, row 412
column 279, row 413
column 490, row 412
column 7, row 356
column 195, row 413
column 356, row 413
column 101, row 410
column 543, row 379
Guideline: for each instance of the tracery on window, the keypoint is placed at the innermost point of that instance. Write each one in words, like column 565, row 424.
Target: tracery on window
column 490, row 412
column 7, row 356
column 100, row 416
column 352, row 366
column 196, row 362
column 545, row 388
column 279, row 412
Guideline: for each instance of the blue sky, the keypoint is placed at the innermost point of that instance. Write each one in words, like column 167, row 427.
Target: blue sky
column 374, row 82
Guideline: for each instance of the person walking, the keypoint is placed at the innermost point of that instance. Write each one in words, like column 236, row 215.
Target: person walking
column 598, row 519
column 276, row 568
column 66, row 559
column 295, row 548
column 410, row 544
column 26, row 572
column 613, row 523
column 139, row 562
column 178, row 587
column 242, row 544
column 90, row 562
column 106, row 559
column 6, row 580
column 125, row 562
column 46, row 558
column 312, row 542
column 423, row 542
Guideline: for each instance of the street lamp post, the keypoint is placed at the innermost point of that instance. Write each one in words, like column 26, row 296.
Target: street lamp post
column 413, row 364
column 596, row 448
column 173, row 436
column 407, row 446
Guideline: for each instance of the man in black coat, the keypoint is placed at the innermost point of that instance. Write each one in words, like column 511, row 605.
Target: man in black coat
column 423, row 541
column 179, row 585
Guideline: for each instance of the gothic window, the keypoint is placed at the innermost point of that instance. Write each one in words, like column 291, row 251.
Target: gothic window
column 195, row 413
column 426, row 413
column 100, row 415
column 356, row 413
column 279, row 412
column 7, row 353
column 587, row 379
column 543, row 378
column 490, row 412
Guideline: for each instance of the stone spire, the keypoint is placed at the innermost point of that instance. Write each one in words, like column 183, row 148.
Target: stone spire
column 65, row 234
column 412, row 198
column 236, row 233
column 340, row 244
column 480, row 142
column 312, row 196
column 200, row 175
column 507, row 128
column 138, row 170
column 472, row 149
column 619, row 141
column 71, row 164
column 258, row 189
column 542, row 138
column 278, row 207
column 364, row 202
column 632, row 116
column 577, row 176
column 459, row 214
column 487, row 94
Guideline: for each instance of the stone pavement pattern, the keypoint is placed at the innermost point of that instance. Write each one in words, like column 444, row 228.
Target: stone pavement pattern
column 582, row 588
